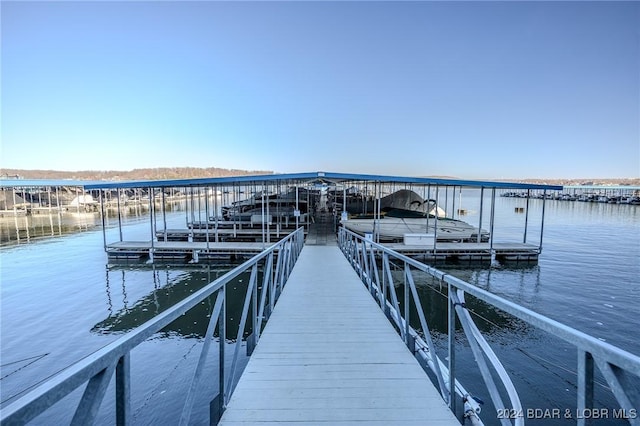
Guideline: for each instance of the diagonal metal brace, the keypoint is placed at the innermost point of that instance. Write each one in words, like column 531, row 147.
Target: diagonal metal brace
column 622, row 388
column 92, row 397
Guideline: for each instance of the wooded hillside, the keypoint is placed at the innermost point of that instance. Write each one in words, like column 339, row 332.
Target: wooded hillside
column 135, row 174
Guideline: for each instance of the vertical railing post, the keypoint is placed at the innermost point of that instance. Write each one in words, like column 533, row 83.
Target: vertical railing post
column 361, row 252
column 585, row 385
column 393, row 297
column 272, row 283
column 276, row 277
column 222, row 393
column 383, row 293
column 406, row 303
column 252, row 340
column 197, row 374
column 451, row 333
column 123, row 390
column 372, row 270
column 231, row 381
column 266, row 289
column 365, row 263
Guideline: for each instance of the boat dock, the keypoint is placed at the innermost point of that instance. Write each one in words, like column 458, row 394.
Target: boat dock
column 227, row 242
column 346, row 339
column 328, row 355
column 192, row 245
column 236, row 217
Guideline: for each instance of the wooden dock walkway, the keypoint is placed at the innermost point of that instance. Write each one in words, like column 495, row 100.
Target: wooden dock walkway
column 328, row 355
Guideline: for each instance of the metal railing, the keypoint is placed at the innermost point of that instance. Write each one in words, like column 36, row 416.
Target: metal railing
column 98, row 368
column 617, row 366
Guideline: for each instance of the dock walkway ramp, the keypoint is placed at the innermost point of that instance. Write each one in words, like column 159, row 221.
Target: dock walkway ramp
column 329, row 356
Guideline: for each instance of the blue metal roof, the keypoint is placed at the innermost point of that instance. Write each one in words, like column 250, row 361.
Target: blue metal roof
column 43, row 183
column 315, row 176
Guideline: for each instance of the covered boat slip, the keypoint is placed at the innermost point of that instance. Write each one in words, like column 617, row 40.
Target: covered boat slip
column 216, row 209
column 328, row 355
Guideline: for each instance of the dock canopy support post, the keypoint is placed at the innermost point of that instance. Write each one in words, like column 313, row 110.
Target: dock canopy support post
column 526, row 216
column 480, row 214
column 164, row 214
column 119, row 213
column 102, row 212
column 492, row 216
column 544, row 199
column 151, row 216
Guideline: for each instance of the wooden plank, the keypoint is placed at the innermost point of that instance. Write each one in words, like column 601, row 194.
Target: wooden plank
column 329, row 355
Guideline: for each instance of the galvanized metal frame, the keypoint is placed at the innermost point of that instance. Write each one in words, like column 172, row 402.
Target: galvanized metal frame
column 97, row 369
column 305, row 176
column 617, row 366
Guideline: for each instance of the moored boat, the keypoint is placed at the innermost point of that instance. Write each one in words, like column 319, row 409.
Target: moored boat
column 405, row 212
column 285, row 205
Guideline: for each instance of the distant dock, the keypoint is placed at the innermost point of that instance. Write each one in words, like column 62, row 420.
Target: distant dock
column 622, row 194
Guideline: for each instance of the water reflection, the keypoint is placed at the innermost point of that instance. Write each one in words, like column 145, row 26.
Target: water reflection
column 433, row 296
column 170, row 286
column 20, row 227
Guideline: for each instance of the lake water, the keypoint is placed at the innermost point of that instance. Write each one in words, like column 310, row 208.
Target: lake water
column 60, row 302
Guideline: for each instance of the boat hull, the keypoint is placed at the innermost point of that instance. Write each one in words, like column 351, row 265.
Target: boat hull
column 391, row 228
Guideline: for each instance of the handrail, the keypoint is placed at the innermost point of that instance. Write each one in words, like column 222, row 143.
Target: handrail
column 615, row 364
column 97, row 369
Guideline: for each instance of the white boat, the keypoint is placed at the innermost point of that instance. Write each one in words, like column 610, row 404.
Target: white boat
column 405, row 212
column 390, row 228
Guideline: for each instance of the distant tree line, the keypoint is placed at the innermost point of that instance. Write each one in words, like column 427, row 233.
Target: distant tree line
column 135, row 174
column 160, row 173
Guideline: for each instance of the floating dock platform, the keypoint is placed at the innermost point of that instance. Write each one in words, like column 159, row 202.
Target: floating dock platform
column 462, row 252
column 188, row 251
column 222, row 234
column 191, row 245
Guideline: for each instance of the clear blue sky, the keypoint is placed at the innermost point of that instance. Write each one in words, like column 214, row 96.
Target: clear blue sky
column 473, row 90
